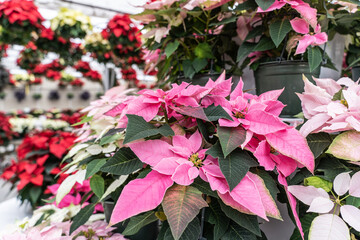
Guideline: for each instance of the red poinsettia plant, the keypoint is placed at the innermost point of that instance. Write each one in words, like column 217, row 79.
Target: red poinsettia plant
column 19, row 19
column 77, row 82
column 48, row 41
column 29, row 57
column 82, row 66
column 71, row 53
column 125, row 40
column 38, row 164
column 3, row 48
column 6, row 133
column 93, row 75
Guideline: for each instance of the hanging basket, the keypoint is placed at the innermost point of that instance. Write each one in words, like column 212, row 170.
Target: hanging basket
column 285, row 74
column 148, row 232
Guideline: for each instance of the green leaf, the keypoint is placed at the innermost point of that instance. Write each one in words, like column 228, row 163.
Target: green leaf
column 278, row 30
column 188, row 69
column 139, row 221
column 181, row 204
column 123, row 162
column 314, row 57
column 204, row 187
column 231, row 138
column 196, row 112
column 203, row 50
column 192, row 231
column 264, row 4
column 171, row 48
column 246, row 221
column 318, row 182
column 138, row 128
column 353, row 201
column 84, row 120
column 81, row 218
column 219, row 219
column 257, row 31
column 269, row 182
column 245, row 49
column 264, row 44
column 305, row 223
column 346, row 146
column 199, row 63
column 97, row 185
column 225, row 21
column 246, row 5
column 214, row 113
column 318, row 142
column 235, row 166
column 94, row 166
column 109, row 139
column 237, row 232
column 35, row 194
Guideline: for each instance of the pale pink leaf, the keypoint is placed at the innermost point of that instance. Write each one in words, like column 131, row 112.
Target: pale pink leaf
column 330, row 85
column 314, row 123
column 342, row 183
column 140, row 195
column 346, row 146
column 351, row 215
column 264, row 123
column 270, row 95
column 308, row 13
column 300, row 25
column 328, row 227
column 321, row 205
column 354, row 189
column 152, row 151
column 307, row 194
column 290, row 143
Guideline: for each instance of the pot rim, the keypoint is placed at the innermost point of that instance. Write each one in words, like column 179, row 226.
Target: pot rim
column 284, row 62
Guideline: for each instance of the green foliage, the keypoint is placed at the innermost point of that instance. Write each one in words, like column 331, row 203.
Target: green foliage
column 138, row 128
column 139, row 221
column 318, row 182
column 318, row 143
column 214, row 113
column 264, row 4
column 94, row 166
column 314, row 58
column 171, row 48
column 230, row 138
column 123, row 162
column 82, row 217
column 97, row 185
column 278, row 30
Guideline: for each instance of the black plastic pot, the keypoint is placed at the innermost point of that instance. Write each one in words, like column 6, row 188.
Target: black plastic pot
column 148, row 232
column 355, row 71
column 288, row 75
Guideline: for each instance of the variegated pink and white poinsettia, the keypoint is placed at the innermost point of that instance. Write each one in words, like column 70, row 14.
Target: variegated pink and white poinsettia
column 185, row 156
column 330, row 106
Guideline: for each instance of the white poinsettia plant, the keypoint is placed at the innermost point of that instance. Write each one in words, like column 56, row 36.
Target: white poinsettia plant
column 336, row 213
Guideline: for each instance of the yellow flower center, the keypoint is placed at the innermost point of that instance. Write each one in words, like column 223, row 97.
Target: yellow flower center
column 344, row 102
column 194, row 158
column 239, row 115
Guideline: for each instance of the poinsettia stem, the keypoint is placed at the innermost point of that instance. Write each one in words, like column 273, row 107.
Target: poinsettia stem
column 345, row 197
column 165, row 115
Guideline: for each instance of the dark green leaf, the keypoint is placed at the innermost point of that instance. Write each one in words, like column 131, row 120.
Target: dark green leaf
column 231, row 138
column 123, row 162
column 139, row 221
column 138, row 128
column 215, row 151
column 82, row 217
column 214, row 113
column 353, row 201
column 219, row 219
column 264, row 44
column 204, row 187
column 225, row 21
column 246, row 221
column 203, row 50
column 305, row 223
column 246, row 5
column 94, row 166
column 318, row 143
column 171, row 48
column 237, row 232
column 199, row 63
column 35, row 194
column 192, row 231
column 264, row 4
column 196, row 112
column 278, row 30
column 314, row 57
column 244, row 50
column 269, row 182
column 188, row 69
column 97, row 185
column 257, row 31
column 109, row 139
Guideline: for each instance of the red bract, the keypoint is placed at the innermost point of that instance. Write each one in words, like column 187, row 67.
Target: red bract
column 53, row 74
column 77, row 83
column 17, row 11
column 6, row 133
column 82, row 66
column 93, row 75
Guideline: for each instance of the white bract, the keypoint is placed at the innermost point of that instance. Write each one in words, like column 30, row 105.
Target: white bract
column 328, row 225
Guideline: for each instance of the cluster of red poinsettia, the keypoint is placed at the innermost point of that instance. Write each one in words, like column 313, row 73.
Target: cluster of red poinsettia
column 6, row 134
column 82, row 66
column 38, row 162
column 3, row 48
column 29, row 57
column 124, row 38
column 93, row 75
column 50, row 70
column 48, row 41
column 85, row 69
column 77, row 82
column 72, row 117
column 128, row 74
column 19, row 19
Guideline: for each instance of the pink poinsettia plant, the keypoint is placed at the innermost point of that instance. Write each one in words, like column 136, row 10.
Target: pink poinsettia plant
column 196, row 148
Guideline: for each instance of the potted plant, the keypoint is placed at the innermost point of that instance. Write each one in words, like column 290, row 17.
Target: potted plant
column 29, row 57
column 98, row 47
column 48, row 41
column 332, row 192
column 70, row 23
column 37, row 96
column 200, row 159
column 77, row 83
column 19, row 20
